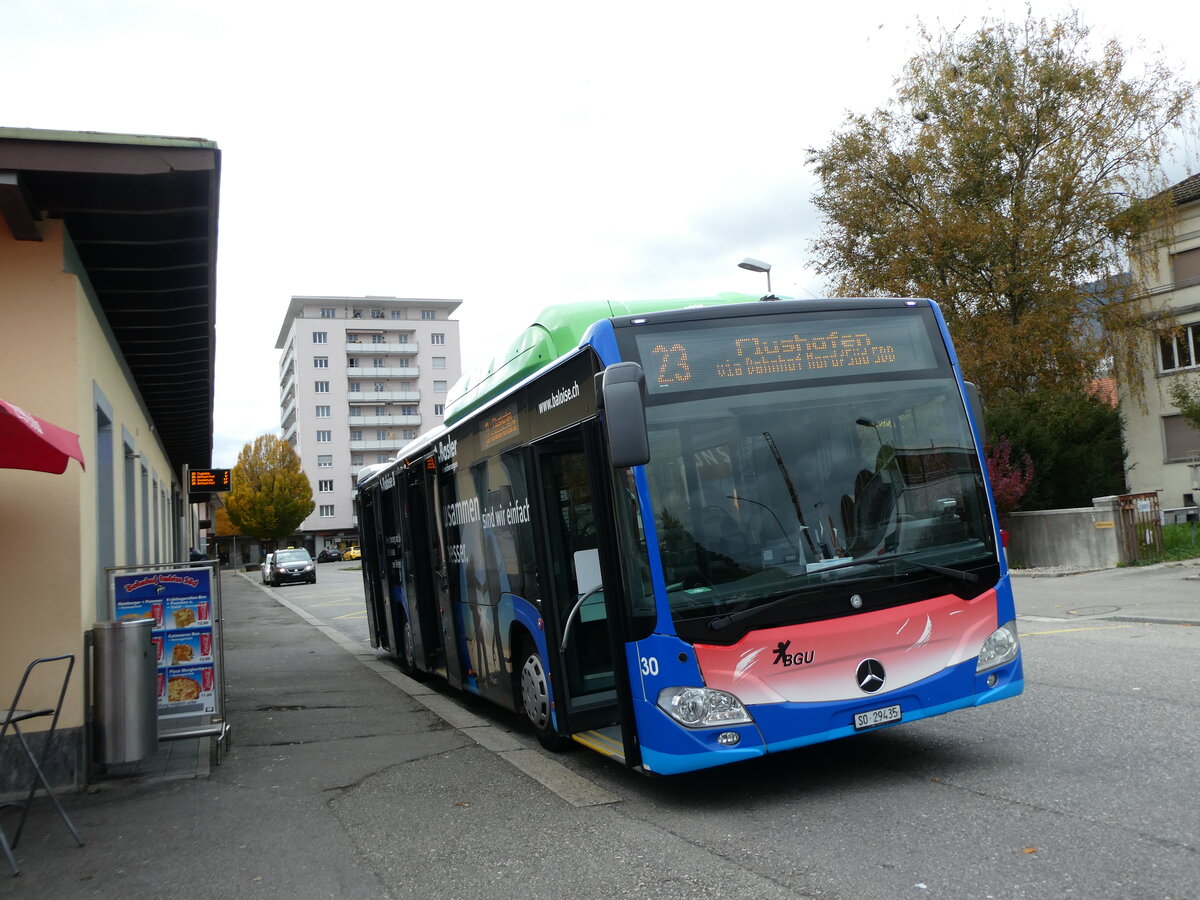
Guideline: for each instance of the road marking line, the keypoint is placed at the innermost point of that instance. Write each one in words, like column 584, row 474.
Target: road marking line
column 1065, row 630
column 353, row 615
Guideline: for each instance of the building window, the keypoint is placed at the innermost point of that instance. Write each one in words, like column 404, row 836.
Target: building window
column 381, row 457
column 397, row 314
column 439, row 386
column 325, row 485
column 358, row 313
column 439, row 362
column 321, row 387
column 352, row 338
column 320, row 337
column 409, row 433
column 380, row 387
column 356, row 435
column 356, row 460
column 320, row 362
column 1179, row 348
column 1185, row 266
column 1180, row 440
column 324, row 437
column 437, row 338
column 381, row 435
column 355, row 387
column 408, row 410
column 402, row 339
column 428, row 314
column 402, row 363
column 381, row 410
column 328, row 312
column 326, row 510
column 379, row 362
column 355, row 411
column 378, row 339
column 407, row 386
column 377, row 314
column 439, row 409
column 324, row 462
column 352, row 362
column 322, row 412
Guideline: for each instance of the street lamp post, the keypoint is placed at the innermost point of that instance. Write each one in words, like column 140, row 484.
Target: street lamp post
column 757, row 265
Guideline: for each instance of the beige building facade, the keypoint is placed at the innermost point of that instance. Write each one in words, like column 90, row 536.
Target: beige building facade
column 1163, row 449
column 108, row 307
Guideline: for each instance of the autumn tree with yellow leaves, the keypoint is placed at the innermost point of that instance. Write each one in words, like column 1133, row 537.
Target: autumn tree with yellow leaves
column 271, row 495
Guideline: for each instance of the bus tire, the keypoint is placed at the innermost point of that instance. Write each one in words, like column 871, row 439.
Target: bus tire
column 533, row 696
column 407, row 653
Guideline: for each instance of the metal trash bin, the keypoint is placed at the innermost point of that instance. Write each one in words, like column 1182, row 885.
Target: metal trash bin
column 126, row 691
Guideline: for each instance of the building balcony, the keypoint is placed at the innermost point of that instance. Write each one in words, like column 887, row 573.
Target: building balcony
column 366, row 348
column 365, row 421
column 364, row 397
column 392, row 446
column 374, row 373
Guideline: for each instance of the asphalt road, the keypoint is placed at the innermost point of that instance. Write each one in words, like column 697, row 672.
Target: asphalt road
column 1085, row 786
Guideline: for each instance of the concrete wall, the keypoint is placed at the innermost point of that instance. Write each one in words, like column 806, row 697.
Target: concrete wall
column 1085, row 538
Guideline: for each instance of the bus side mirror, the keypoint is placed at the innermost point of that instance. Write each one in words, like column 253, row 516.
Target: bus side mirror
column 976, row 410
column 622, row 396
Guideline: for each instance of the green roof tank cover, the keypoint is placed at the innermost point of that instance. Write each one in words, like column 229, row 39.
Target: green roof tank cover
column 557, row 331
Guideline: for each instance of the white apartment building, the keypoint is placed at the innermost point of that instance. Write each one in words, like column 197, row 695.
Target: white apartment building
column 359, row 377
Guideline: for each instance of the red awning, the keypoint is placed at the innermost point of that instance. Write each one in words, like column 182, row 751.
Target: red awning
column 27, row 442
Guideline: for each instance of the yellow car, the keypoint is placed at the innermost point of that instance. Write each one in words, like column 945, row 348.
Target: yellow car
column 352, row 553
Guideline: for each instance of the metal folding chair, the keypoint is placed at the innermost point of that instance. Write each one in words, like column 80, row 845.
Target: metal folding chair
column 13, row 719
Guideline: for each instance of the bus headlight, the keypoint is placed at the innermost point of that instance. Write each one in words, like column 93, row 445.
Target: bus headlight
column 698, row 707
column 1000, row 647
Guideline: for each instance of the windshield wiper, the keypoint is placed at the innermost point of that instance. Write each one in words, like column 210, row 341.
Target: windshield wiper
column 719, row 622
column 960, row 574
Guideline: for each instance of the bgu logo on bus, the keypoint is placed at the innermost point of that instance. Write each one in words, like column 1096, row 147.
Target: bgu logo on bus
column 799, row 658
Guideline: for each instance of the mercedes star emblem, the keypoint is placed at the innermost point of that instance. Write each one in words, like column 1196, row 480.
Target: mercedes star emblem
column 870, row 676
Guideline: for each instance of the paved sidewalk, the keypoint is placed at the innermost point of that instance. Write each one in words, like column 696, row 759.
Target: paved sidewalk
column 1166, row 593
column 344, row 780
column 307, row 720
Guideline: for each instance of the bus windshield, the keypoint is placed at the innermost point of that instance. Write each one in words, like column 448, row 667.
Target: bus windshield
column 789, row 494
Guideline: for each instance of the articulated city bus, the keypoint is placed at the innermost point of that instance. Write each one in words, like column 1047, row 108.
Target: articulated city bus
column 694, row 532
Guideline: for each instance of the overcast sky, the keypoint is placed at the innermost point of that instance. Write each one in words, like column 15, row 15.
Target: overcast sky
column 510, row 155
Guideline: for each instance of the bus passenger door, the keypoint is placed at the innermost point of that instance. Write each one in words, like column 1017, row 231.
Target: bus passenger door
column 579, row 616
column 375, row 574
column 428, row 595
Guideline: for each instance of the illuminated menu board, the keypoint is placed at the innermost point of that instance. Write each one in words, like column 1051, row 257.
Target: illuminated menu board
column 768, row 349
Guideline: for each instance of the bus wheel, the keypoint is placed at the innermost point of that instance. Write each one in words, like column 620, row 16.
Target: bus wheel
column 534, row 682
column 408, row 652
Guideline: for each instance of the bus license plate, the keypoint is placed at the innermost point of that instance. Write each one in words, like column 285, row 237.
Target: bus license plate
column 874, row 717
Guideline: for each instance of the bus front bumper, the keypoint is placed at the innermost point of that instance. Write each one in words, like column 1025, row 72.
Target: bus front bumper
column 668, row 748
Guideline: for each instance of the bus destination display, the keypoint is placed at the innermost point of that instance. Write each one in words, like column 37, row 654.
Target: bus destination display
column 765, row 350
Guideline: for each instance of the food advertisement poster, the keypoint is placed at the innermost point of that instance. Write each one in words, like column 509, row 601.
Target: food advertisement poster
column 180, row 602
